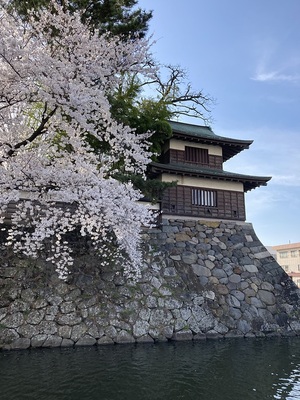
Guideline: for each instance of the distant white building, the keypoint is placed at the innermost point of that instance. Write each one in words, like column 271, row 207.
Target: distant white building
column 288, row 256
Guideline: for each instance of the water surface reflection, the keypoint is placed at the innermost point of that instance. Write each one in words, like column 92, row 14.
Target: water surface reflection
column 211, row 370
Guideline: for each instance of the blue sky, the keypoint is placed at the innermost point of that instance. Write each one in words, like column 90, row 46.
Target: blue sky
column 246, row 55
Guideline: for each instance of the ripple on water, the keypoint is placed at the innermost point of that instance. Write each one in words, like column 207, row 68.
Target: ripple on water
column 229, row 369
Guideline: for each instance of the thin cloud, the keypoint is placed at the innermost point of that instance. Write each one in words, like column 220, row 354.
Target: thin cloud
column 286, row 180
column 275, row 153
column 277, row 62
column 269, row 199
column 261, row 200
column 275, row 76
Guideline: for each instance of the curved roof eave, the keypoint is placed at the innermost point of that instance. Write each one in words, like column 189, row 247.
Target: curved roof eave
column 205, row 135
column 249, row 181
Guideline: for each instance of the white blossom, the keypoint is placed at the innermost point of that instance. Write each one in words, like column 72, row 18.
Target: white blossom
column 54, row 93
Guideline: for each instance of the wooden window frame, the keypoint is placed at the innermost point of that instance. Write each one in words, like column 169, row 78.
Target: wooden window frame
column 204, row 197
column 196, row 155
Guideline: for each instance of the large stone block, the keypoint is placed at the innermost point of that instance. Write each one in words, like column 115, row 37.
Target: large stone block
column 189, row 258
column 200, row 270
column 267, row 297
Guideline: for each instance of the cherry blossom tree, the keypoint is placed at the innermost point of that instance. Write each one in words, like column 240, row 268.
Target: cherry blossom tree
column 55, row 80
column 119, row 17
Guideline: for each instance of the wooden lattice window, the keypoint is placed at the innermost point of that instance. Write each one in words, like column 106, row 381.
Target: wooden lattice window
column 196, row 155
column 201, row 197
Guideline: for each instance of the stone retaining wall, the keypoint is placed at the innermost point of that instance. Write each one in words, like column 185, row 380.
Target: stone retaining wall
column 200, row 280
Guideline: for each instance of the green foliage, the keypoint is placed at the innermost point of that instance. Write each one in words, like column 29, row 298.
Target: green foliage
column 119, row 17
column 164, row 100
column 152, row 189
column 153, row 117
column 144, row 114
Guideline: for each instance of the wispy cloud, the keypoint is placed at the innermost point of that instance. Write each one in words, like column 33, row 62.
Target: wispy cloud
column 262, row 201
column 277, row 62
column 275, row 76
column 275, row 153
column 292, row 180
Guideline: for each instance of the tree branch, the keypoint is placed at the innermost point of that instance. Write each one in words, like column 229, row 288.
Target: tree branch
column 11, row 66
column 39, row 131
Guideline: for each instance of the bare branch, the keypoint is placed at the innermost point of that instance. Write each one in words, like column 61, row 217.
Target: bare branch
column 178, row 96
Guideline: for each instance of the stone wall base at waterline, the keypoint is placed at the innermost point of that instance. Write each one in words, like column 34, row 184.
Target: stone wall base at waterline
column 199, row 280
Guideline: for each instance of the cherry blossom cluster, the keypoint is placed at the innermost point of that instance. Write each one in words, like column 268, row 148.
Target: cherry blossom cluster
column 55, row 80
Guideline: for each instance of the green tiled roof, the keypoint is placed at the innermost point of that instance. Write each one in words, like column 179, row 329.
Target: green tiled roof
column 204, row 134
column 249, row 181
column 193, row 130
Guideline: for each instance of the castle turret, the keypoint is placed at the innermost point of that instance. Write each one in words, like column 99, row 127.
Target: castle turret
column 194, row 157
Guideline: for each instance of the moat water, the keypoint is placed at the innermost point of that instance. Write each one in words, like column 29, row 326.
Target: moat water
column 237, row 369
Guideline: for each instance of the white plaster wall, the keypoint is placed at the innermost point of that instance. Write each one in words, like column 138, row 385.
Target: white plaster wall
column 206, row 183
column 180, row 145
